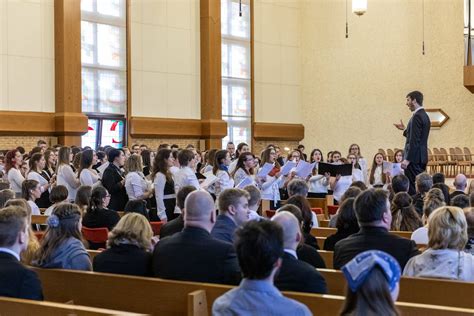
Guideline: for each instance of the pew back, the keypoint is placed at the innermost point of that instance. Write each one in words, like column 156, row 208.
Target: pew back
column 328, row 231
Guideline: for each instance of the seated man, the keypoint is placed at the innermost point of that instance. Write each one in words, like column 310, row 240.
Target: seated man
column 461, row 201
column 295, row 275
column 234, row 212
column 460, row 184
column 16, row 280
column 176, row 225
column 375, row 218
column 423, row 183
column 259, row 248
column 254, row 202
column 193, row 255
column 400, row 183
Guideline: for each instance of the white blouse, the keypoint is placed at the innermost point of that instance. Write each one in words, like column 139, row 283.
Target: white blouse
column 341, row 187
column 67, row 177
column 224, row 182
column 159, row 184
column 318, row 184
column 378, row 176
column 34, row 208
column 270, row 189
column 240, row 175
column 33, row 175
column 185, row 176
column 16, row 179
column 89, row 177
column 136, row 185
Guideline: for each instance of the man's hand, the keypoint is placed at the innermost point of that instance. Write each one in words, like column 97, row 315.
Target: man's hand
column 405, row 164
column 400, row 125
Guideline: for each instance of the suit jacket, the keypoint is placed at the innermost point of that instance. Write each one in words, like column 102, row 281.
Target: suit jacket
column 111, row 181
column 310, row 255
column 172, row 227
column 374, row 238
column 193, row 255
column 224, row 228
column 124, row 259
column 18, row 281
column 298, row 276
column 416, row 133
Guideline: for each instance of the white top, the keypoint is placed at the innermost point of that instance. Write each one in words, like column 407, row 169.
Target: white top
column 420, row 236
column 34, row 208
column 89, row 177
column 225, row 182
column 67, row 177
column 240, row 175
column 50, row 209
column 159, row 185
column 341, row 187
column 314, row 218
column 441, row 264
column 232, row 165
column 364, row 168
column 357, row 175
column 207, row 168
column 135, row 185
column 270, row 189
column 33, row 175
column 174, row 170
column 378, row 176
column 185, row 176
column 103, row 166
column 16, row 179
column 318, row 184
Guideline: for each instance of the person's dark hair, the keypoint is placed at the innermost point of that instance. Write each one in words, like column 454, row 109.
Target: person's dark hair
column 259, row 245
column 293, row 209
column 183, row 194
column 75, row 150
column 13, row 220
column 300, row 146
column 98, row 193
column 241, row 161
column 346, row 218
column 255, row 195
column 404, row 215
column 372, row 298
column 400, row 183
column 113, row 153
column 174, row 146
column 26, row 188
column 306, row 212
column 445, row 189
column 184, row 157
column 160, row 164
column 359, row 184
column 58, row 194
column 137, row 206
column 312, row 154
column 438, row 178
column 86, row 160
column 35, row 150
column 218, row 157
column 471, row 199
column 9, row 157
column 370, row 206
column 5, row 196
column 423, row 182
column 101, row 155
column 416, row 95
column 83, row 196
column 146, row 157
column 4, row 185
column 33, row 162
column 21, row 149
column 239, row 148
column 298, row 187
column 351, row 192
column 461, row 201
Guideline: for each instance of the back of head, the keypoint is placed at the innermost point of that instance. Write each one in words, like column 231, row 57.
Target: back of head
column 370, row 206
column 447, row 228
column 445, row 189
column 298, row 187
column 255, row 196
column 351, row 192
column 136, row 206
column 433, row 199
column 199, row 207
column 230, row 197
column 400, row 183
column 132, row 228
column 83, row 196
column 306, row 212
column 346, row 218
column 461, row 201
column 469, row 213
column 291, row 229
column 58, row 194
column 424, row 182
column 400, row 201
column 293, row 209
column 438, row 178
column 97, row 196
column 6, row 195
column 259, row 245
column 359, row 184
column 13, row 220
column 183, row 194
column 460, row 182
column 185, row 156
column 21, row 203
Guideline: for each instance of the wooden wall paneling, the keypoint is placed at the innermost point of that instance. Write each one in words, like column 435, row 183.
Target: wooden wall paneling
column 278, row 131
column 148, row 127
column 14, row 123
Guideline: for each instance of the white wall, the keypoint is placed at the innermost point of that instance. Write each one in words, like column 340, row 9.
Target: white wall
column 27, row 55
column 165, row 53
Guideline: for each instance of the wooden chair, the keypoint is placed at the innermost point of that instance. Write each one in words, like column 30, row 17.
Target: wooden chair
column 440, row 159
column 332, row 209
column 96, row 235
column 432, row 165
column 324, row 223
column 328, row 231
column 269, row 214
column 156, row 227
column 449, row 161
column 463, row 163
column 468, row 157
column 455, row 159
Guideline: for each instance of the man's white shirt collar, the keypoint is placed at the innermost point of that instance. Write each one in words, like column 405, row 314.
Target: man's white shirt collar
column 17, row 256
column 291, row 252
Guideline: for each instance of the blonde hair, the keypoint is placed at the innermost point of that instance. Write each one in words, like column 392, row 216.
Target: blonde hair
column 132, row 228
column 134, row 164
column 447, row 228
column 433, row 199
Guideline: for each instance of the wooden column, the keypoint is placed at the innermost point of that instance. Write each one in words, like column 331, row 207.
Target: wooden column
column 213, row 127
column 70, row 122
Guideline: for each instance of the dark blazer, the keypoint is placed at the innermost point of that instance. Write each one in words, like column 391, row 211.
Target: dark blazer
column 456, row 193
column 111, row 181
column 374, row 238
column 341, row 234
column 416, row 133
column 124, row 259
column 18, row 281
column 172, row 227
column 193, row 255
column 101, row 218
column 310, row 255
column 298, row 276
column 224, row 228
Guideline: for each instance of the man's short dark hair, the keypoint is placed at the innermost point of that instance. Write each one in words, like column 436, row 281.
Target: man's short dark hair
column 182, row 194
column 259, row 245
column 298, row 187
column 400, row 183
column 174, row 146
column 58, row 194
column 416, row 95
column 461, row 201
column 359, row 184
column 13, row 219
column 114, row 153
column 351, row 192
column 438, row 178
column 370, row 206
column 255, row 195
column 185, row 156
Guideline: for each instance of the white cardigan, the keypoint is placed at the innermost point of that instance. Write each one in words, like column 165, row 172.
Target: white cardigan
column 16, row 179
column 67, row 177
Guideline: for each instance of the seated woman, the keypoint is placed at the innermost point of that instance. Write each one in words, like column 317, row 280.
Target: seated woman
column 137, row 206
column 83, row 197
column 306, row 212
column 373, row 279
column 433, row 199
column 444, row 258
column 58, row 195
column 87, row 174
column 346, row 224
column 128, row 248
column 97, row 214
column 30, row 191
column 404, row 215
column 61, row 246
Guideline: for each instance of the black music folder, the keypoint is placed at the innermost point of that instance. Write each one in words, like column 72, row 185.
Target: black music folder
column 343, row 170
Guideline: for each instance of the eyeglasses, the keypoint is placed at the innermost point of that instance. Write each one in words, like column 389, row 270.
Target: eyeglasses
column 108, row 195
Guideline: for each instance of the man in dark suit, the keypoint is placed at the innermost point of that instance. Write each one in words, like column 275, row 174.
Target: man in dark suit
column 234, row 212
column 113, row 180
column 177, row 224
column 15, row 279
column 193, row 255
column 295, row 275
column 373, row 214
column 416, row 133
column 460, row 184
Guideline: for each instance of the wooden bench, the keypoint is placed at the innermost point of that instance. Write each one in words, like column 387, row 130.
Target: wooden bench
column 324, row 223
column 166, row 297
column 327, row 257
column 39, row 219
column 15, row 306
column 313, row 202
column 328, row 231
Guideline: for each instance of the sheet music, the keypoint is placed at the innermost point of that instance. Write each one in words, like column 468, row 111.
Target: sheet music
column 287, row 168
column 304, row 169
column 245, row 182
column 265, row 170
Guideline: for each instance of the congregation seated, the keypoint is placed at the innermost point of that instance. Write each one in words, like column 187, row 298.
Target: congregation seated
column 460, row 184
column 404, row 215
column 444, row 258
column 469, row 213
column 373, row 279
column 83, row 197
column 346, row 224
column 58, row 195
column 137, row 206
column 259, row 246
column 303, row 204
column 61, row 246
column 433, row 199
column 98, row 215
column 15, row 279
column 254, row 202
column 234, row 212
column 5, row 195
column 299, row 187
column 423, row 183
column 128, row 248
column 176, row 225
column 294, row 274
column 400, row 183
column 193, row 254
column 461, row 201
column 352, row 192
column 374, row 217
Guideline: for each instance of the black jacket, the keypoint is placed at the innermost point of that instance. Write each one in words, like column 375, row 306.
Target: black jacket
column 298, row 276
column 193, row 255
column 111, row 180
column 416, row 133
column 172, row 227
column 124, row 259
column 310, row 255
column 341, row 234
column 100, row 218
column 18, row 281
column 224, row 228
column 374, row 238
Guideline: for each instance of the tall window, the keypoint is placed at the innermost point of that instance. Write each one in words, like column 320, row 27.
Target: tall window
column 104, row 71
column 236, row 75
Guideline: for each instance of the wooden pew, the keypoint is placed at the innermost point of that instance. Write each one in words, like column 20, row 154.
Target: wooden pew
column 39, row 219
column 15, row 306
column 321, row 241
column 314, row 202
column 166, row 297
column 327, row 257
column 93, row 253
column 328, row 231
column 324, row 223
